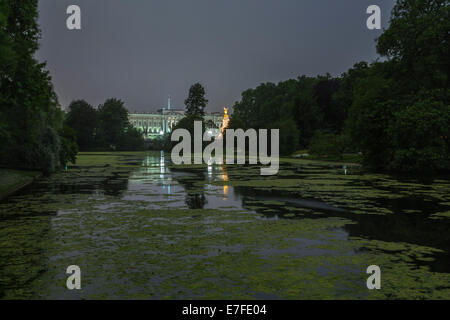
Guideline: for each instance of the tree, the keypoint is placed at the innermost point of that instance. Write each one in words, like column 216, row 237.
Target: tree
column 196, row 101
column 306, row 112
column 289, row 136
column 107, row 128
column 113, row 122
column 83, row 119
column 333, row 114
column 29, row 109
column 417, row 41
column 69, row 147
column 421, row 134
column 327, row 144
column 289, row 106
column 131, row 140
column 400, row 110
column 370, row 113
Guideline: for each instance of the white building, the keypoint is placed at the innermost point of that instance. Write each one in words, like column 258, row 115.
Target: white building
column 156, row 124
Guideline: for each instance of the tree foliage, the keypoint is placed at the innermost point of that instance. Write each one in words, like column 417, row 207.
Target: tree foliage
column 30, row 116
column 196, row 101
column 395, row 112
column 399, row 116
column 297, row 107
column 83, row 119
column 105, row 128
column 327, row 144
column 113, row 122
column 417, row 42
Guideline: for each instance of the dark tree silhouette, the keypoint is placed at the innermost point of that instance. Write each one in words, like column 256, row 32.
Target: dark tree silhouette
column 196, row 101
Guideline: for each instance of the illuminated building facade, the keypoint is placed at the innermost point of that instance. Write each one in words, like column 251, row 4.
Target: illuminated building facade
column 156, row 124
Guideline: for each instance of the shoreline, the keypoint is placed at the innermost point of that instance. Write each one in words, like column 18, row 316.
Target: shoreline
column 12, row 181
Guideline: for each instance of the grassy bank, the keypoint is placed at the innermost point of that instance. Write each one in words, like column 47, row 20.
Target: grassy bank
column 13, row 180
column 118, row 158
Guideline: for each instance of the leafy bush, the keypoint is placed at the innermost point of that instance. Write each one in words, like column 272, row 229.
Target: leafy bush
column 131, row 140
column 69, row 147
column 289, row 136
column 326, row 144
column 420, row 137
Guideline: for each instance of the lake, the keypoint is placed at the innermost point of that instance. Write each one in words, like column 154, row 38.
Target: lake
column 141, row 228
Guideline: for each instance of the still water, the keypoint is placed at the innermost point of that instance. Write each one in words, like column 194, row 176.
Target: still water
column 140, row 228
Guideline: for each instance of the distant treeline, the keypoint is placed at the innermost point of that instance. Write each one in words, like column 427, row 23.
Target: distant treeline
column 104, row 128
column 396, row 112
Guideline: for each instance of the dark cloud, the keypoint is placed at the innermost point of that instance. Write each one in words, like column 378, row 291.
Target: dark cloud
column 141, row 50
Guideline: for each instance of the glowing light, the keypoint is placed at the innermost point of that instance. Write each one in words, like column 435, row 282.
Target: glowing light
column 210, row 168
column 224, row 178
column 225, row 192
column 225, row 122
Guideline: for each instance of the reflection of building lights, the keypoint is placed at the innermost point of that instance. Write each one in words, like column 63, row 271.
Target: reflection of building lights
column 225, row 192
column 162, row 165
column 224, row 178
column 209, row 170
column 210, row 167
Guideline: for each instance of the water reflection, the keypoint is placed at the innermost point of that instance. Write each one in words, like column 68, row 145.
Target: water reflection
column 401, row 226
column 225, row 186
column 153, row 170
column 76, row 211
column 196, row 201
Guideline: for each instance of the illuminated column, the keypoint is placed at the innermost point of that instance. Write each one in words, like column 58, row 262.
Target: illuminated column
column 225, row 122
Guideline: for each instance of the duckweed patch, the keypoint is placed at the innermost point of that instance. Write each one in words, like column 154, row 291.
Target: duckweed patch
column 141, row 228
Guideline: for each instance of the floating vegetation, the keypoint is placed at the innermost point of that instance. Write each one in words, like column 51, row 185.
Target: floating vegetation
column 141, row 228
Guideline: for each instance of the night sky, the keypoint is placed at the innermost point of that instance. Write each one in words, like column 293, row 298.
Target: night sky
column 143, row 50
